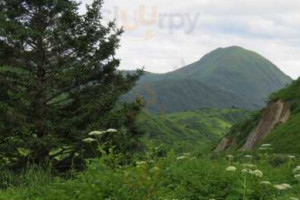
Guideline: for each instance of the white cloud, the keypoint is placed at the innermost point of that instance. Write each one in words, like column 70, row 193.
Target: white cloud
column 170, row 33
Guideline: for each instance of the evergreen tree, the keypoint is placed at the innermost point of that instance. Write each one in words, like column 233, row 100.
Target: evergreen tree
column 58, row 79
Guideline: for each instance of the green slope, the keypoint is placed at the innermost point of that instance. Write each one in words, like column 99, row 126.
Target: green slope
column 169, row 96
column 285, row 138
column 224, row 78
column 189, row 130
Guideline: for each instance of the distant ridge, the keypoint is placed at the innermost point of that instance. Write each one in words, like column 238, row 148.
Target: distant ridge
column 224, row 78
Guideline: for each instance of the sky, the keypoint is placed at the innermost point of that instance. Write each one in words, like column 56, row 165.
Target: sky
column 164, row 35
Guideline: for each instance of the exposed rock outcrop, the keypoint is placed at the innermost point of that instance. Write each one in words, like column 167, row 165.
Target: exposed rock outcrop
column 275, row 113
column 223, row 145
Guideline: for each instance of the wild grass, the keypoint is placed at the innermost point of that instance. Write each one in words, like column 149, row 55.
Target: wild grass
column 185, row 176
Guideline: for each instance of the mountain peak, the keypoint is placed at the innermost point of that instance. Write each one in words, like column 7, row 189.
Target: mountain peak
column 232, row 48
column 226, row 77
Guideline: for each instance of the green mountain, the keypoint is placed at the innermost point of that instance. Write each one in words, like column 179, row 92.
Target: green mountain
column 224, row 78
column 186, row 131
column 278, row 124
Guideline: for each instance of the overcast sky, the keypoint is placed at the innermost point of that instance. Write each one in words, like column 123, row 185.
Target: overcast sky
column 164, row 35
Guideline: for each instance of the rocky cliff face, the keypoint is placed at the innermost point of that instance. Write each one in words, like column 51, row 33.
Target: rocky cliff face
column 223, row 144
column 275, row 113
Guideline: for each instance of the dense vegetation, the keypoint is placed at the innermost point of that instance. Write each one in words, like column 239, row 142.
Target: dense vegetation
column 58, row 82
column 262, row 176
column 290, row 94
column 190, row 130
column 225, row 78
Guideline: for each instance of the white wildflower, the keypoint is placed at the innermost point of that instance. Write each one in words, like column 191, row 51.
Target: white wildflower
column 248, row 156
column 251, row 172
column 111, row 130
column 76, row 154
column 297, row 176
column 230, row 157
column 293, row 198
column 89, row 140
column 141, row 163
column 297, row 169
column 250, row 166
column 231, row 169
column 181, row 157
column 266, row 145
column 265, row 183
column 245, row 171
column 291, row 157
column 258, row 173
column 96, row 133
column 283, row 186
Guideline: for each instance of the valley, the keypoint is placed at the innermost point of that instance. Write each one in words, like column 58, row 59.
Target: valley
column 197, row 130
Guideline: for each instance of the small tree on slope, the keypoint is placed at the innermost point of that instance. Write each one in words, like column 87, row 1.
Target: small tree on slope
column 58, row 78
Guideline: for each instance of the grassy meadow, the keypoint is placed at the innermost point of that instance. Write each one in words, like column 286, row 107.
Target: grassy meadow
column 262, row 175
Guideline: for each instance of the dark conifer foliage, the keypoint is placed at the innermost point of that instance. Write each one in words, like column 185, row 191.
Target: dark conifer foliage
column 58, row 79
